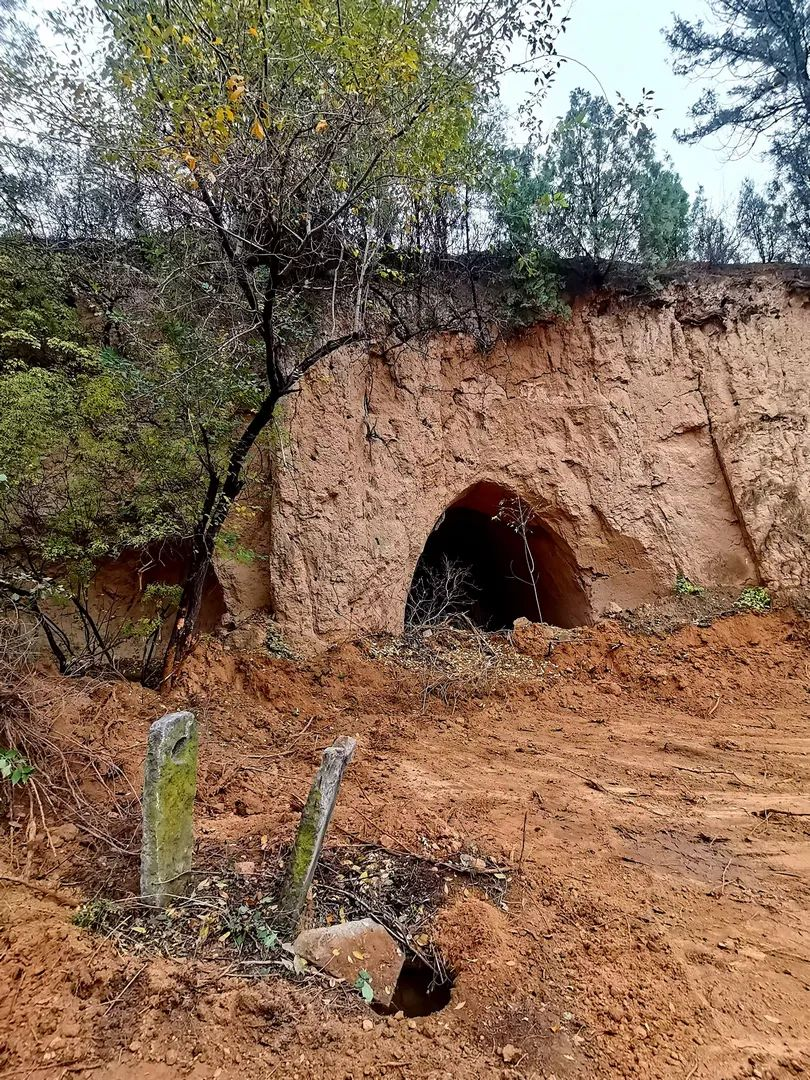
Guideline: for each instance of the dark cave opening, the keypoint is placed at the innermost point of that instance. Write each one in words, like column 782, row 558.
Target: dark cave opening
column 492, row 560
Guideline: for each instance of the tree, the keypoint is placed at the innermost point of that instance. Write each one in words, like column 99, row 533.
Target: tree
column 100, row 447
column 762, row 221
column 615, row 201
column 311, row 146
column 761, row 51
column 712, row 240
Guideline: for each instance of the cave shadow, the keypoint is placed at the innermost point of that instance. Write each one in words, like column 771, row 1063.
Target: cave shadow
column 491, row 558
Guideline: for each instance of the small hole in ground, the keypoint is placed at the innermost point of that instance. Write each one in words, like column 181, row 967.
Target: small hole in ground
column 419, row 991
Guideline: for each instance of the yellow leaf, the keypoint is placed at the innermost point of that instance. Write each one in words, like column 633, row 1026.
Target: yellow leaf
column 358, row 955
column 321, row 127
column 230, row 115
column 253, row 31
column 146, row 53
column 190, row 161
column 256, row 130
column 218, row 41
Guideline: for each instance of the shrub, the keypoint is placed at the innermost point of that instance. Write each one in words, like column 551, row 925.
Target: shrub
column 685, row 587
column 755, row 599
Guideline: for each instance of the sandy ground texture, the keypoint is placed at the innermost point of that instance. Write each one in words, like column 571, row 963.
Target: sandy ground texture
column 649, row 797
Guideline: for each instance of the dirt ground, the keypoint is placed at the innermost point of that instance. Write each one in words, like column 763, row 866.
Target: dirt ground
column 649, row 794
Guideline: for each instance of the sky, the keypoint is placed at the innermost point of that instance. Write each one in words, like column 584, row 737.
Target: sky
column 622, row 43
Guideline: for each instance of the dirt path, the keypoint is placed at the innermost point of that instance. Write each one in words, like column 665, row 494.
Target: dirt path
column 652, row 797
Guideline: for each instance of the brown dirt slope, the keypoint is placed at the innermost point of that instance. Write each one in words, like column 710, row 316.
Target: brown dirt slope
column 652, row 796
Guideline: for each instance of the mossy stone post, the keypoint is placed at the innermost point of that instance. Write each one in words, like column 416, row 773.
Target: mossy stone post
column 312, row 828
column 169, row 787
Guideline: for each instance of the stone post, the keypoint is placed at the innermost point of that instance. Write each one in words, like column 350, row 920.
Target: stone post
column 169, row 787
column 312, row 828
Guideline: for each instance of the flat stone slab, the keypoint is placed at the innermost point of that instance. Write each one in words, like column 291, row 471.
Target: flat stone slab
column 348, row 948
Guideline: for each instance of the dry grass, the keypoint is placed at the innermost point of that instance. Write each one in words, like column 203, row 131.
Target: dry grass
column 31, row 708
column 454, row 663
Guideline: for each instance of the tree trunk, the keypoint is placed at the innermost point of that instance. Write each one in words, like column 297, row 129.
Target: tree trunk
column 218, row 502
column 188, row 610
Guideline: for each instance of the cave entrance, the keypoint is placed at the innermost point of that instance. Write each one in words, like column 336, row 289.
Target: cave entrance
column 491, row 559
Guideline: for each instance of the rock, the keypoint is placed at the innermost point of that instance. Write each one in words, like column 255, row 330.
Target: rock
column 349, row 948
column 65, row 832
column 509, row 1053
column 368, row 1025
column 613, row 609
column 246, row 868
column 169, row 786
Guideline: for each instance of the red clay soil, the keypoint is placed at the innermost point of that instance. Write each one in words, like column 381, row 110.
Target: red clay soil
column 652, row 796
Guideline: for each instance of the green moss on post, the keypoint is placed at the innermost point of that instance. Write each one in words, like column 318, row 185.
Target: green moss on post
column 311, row 833
column 169, row 787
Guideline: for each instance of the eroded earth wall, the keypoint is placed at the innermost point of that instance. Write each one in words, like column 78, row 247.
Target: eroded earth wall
column 654, row 437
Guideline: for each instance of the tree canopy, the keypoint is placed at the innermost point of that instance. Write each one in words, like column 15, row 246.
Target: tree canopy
column 760, row 52
column 597, row 192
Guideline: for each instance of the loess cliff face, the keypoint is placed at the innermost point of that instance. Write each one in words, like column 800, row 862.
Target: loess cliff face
column 650, row 438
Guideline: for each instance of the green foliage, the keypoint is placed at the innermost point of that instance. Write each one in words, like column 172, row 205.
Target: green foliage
column 363, row 984
column 713, row 240
column 248, row 926
column 290, row 173
column 276, row 645
column 762, row 222
column 14, row 767
column 94, row 915
column 685, row 587
column 106, row 447
column 756, row 56
column 615, row 200
column 230, row 546
column 755, row 599
column 519, row 200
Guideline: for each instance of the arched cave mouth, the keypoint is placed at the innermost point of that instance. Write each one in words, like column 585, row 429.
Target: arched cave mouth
column 492, row 559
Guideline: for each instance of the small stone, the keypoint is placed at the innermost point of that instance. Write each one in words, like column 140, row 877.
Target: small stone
column 348, row 948
column 616, row 1013
column 509, row 1053
column 68, row 831
column 368, row 1025
column 246, row 868
column 171, row 1057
